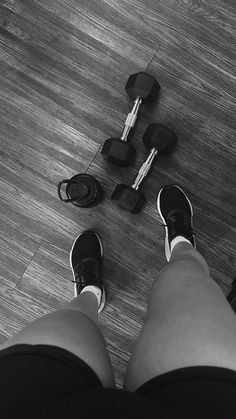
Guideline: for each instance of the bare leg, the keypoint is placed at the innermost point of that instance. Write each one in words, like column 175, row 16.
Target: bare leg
column 74, row 328
column 189, row 321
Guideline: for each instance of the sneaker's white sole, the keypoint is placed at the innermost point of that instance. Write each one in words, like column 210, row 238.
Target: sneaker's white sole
column 103, row 300
column 167, row 247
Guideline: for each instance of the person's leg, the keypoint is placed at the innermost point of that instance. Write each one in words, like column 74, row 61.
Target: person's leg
column 75, row 327
column 189, row 321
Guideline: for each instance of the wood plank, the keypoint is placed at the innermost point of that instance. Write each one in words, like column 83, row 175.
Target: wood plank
column 48, row 277
column 76, row 76
column 52, row 159
column 17, row 310
column 17, row 250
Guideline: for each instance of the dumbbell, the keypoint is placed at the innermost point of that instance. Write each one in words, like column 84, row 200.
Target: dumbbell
column 159, row 139
column 143, row 88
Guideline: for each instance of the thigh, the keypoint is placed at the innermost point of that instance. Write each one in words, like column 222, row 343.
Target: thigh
column 189, row 322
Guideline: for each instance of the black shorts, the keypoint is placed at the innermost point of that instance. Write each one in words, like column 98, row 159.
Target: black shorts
column 42, row 381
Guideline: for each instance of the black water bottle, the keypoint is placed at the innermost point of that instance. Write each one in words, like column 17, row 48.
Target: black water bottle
column 82, row 190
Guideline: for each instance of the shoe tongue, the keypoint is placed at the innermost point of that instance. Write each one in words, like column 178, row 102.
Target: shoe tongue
column 176, row 215
column 178, row 223
column 88, row 260
column 86, row 268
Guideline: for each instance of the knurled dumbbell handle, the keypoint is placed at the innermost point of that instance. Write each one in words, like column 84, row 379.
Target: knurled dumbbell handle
column 130, row 120
column 143, row 171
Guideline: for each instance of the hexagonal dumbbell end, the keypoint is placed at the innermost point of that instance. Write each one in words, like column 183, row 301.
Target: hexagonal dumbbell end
column 142, row 85
column 128, row 198
column 160, row 137
column 118, row 152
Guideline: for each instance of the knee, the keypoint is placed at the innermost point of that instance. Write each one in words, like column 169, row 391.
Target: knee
column 178, row 270
column 180, row 275
column 187, row 266
column 191, row 259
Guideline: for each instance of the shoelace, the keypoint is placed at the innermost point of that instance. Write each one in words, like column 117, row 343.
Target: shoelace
column 88, row 270
column 178, row 223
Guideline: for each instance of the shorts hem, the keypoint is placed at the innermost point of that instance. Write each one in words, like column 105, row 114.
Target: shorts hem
column 55, row 353
column 196, row 373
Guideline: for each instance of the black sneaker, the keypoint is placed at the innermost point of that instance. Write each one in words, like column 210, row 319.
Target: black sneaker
column 176, row 212
column 85, row 261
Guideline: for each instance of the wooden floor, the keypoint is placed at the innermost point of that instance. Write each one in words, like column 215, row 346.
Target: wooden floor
column 63, row 67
